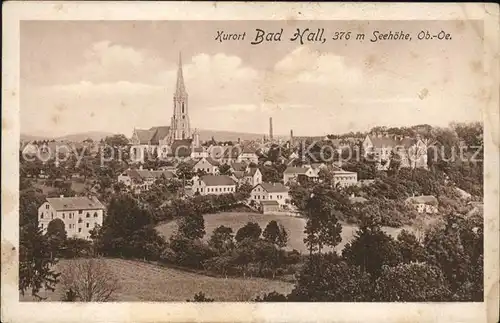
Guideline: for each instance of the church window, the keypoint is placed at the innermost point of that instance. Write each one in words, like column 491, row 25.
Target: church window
column 182, row 107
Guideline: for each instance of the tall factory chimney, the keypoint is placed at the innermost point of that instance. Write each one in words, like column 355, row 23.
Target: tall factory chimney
column 291, row 138
column 271, row 129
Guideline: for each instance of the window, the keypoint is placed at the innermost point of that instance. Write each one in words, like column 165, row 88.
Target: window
column 41, row 215
column 52, row 214
column 95, row 214
column 46, row 206
column 88, row 225
column 63, row 216
column 88, row 215
column 71, row 215
column 41, row 225
column 79, row 229
column 80, row 211
column 80, row 220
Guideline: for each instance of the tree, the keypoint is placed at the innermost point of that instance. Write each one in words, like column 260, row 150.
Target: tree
column 250, row 231
column 56, row 235
column 370, row 249
column 128, row 230
column 413, row 282
column 271, row 297
column 222, row 239
column 276, row 233
column 184, row 171
column 90, row 279
column 35, row 262
column 192, row 226
column 334, row 281
column 411, row 249
column 116, row 140
column 200, row 297
column 322, row 227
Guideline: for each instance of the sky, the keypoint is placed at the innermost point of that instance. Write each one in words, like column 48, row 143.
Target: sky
column 114, row 76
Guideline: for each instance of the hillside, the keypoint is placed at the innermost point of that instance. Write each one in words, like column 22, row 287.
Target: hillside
column 76, row 137
column 96, row 136
column 141, row 281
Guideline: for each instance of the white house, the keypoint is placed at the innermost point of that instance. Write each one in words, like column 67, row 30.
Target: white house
column 249, row 155
column 141, row 179
column 251, row 176
column 199, row 152
column 423, row 203
column 412, row 151
column 344, row 178
column 213, row 184
column 293, row 173
column 208, row 165
column 270, row 192
column 79, row 214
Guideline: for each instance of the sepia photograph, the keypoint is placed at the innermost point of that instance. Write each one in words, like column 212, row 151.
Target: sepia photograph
column 257, row 160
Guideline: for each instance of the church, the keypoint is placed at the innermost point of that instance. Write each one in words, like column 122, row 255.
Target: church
column 175, row 140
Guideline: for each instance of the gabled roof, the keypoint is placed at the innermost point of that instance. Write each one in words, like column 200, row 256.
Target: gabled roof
column 249, row 149
column 144, row 136
column 296, row 170
column 237, row 166
column 239, row 174
column 159, row 133
column 217, row 180
column 141, row 174
column 232, row 151
column 75, row 203
column 273, row 187
column 251, row 171
column 422, row 199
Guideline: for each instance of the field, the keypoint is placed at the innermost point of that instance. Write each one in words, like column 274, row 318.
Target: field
column 294, row 225
column 147, row 282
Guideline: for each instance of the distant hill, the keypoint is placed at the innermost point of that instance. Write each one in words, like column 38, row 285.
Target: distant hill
column 77, row 137
column 205, row 135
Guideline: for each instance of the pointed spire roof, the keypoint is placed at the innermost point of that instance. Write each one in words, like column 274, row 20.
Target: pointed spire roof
column 180, row 88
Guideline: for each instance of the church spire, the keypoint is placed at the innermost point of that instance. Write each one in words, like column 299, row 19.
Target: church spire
column 180, row 88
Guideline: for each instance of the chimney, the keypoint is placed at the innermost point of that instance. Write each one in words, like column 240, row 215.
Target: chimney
column 239, row 140
column 291, row 137
column 271, row 129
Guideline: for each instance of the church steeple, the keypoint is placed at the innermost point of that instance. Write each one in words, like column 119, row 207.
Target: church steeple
column 179, row 125
column 180, row 88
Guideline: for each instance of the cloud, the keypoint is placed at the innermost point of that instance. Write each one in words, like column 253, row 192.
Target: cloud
column 308, row 66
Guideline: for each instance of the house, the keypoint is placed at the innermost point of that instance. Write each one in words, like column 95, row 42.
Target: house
column 139, row 180
column 270, row 192
column 293, row 173
column 423, row 203
column 79, row 214
column 249, row 155
column 412, row 151
column 344, row 178
column 213, row 184
column 199, row 152
column 251, row 176
column 231, row 154
column 208, row 165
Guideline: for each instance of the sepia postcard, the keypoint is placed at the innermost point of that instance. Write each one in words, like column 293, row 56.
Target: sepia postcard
column 250, row 162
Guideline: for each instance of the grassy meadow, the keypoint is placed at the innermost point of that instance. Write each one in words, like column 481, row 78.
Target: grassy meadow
column 141, row 281
column 294, row 225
